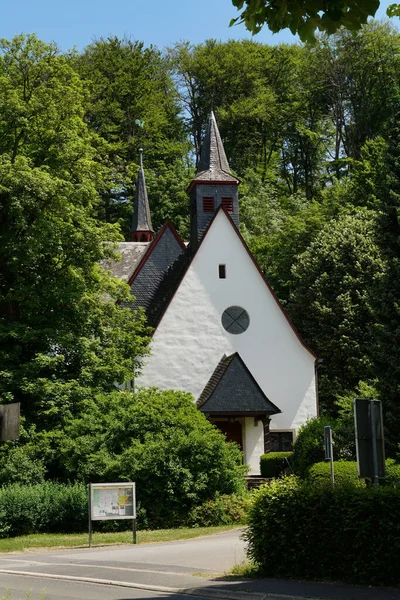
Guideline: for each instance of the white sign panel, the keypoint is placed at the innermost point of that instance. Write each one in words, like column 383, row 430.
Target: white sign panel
column 112, row 501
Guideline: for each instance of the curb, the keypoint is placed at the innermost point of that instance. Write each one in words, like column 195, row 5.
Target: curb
column 220, row 594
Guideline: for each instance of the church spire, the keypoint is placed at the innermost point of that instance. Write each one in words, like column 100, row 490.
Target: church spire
column 213, row 162
column 213, row 186
column 142, row 229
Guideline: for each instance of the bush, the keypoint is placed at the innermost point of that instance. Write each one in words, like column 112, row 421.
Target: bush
column 343, row 533
column 392, row 473
column 20, row 465
column 224, row 510
column 346, row 472
column 308, row 448
column 160, row 440
column 274, row 464
column 44, row 508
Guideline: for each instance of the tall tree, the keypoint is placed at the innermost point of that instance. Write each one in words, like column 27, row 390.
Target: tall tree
column 61, row 332
column 132, row 103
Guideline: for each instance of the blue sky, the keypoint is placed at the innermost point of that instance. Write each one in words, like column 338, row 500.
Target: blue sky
column 158, row 22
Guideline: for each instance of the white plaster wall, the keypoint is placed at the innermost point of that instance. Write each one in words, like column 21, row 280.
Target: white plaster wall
column 253, row 444
column 190, row 340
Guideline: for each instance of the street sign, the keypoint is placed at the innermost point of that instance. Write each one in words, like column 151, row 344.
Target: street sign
column 329, row 450
column 370, row 443
column 328, row 442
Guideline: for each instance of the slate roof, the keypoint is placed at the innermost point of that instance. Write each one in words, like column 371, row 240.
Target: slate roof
column 141, row 211
column 213, row 165
column 232, row 389
column 131, row 256
column 150, row 283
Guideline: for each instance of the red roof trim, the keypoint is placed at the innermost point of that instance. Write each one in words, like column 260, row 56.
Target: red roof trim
column 152, row 246
column 288, row 319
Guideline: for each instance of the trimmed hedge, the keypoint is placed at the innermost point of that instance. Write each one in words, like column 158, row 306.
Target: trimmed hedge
column 346, row 473
column 61, row 508
column 43, row 508
column 343, row 533
column 274, row 464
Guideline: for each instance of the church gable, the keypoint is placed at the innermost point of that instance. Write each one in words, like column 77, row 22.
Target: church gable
column 221, row 283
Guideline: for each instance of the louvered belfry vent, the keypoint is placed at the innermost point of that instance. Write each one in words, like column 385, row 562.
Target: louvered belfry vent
column 208, row 204
column 227, row 204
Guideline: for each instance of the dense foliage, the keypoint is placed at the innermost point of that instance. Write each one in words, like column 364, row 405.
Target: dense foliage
column 299, row 530
column 307, row 16
column 159, row 439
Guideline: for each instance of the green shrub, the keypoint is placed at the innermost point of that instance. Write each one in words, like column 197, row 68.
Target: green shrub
column 345, row 533
column 392, row 473
column 224, row 510
column 274, row 464
column 309, row 445
column 160, row 440
column 43, row 508
column 346, row 472
column 20, row 465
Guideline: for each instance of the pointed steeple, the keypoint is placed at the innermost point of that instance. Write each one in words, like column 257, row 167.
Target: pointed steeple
column 213, row 165
column 213, row 186
column 142, row 229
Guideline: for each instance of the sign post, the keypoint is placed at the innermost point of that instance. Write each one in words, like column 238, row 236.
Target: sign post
column 329, row 450
column 370, row 443
column 112, row 501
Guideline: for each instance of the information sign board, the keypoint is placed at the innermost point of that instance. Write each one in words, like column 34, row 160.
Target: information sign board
column 112, row 501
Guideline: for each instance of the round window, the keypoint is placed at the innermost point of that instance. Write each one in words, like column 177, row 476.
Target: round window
column 235, row 320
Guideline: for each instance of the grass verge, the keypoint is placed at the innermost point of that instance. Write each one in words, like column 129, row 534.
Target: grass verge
column 244, row 569
column 77, row 540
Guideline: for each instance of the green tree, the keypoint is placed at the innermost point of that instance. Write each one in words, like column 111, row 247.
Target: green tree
column 304, row 18
column 332, row 303
column 132, row 103
column 62, row 335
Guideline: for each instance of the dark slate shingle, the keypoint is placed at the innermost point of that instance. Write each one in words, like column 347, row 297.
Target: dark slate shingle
column 233, row 389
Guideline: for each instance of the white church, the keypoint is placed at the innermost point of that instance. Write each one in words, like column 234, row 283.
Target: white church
column 220, row 333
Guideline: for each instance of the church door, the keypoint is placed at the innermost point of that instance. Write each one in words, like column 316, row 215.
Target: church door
column 232, row 430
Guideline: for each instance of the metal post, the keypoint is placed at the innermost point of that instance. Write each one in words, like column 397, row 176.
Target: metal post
column 374, row 448
column 90, row 514
column 134, row 530
column 332, row 467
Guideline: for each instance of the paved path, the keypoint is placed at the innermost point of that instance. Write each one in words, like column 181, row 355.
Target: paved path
column 190, row 567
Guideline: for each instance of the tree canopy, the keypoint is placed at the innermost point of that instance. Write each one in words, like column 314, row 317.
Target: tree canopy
column 307, row 17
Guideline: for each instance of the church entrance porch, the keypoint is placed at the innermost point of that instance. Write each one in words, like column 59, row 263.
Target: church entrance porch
column 249, row 432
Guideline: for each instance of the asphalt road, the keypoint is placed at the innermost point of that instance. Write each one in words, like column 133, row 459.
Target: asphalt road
column 171, row 571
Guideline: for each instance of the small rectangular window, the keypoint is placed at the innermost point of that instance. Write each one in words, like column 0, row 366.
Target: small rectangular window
column 227, row 204
column 222, row 271
column 208, row 204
